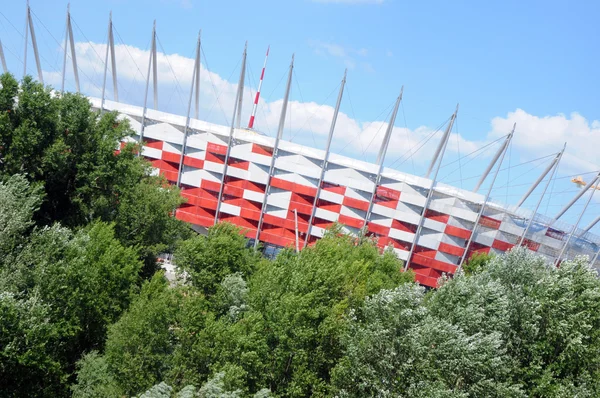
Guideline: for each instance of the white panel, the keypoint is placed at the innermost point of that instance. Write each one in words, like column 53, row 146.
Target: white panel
column 280, row 199
column 174, row 148
column 152, row 152
column 297, row 179
column 429, row 242
column 238, row 173
column 384, row 211
column 354, row 213
column 241, row 151
column 214, row 167
column 164, row 132
column 331, row 196
column 402, row 254
column 402, row 235
column 253, row 196
column 230, row 209
column 435, row 225
column 411, row 218
column 257, row 174
column 413, row 199
column 326, row 214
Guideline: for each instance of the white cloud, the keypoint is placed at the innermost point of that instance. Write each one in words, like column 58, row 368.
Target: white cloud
column 535, row 136
column 543, row 135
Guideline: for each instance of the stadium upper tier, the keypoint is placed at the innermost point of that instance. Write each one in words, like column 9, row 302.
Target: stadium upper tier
column 345, row 196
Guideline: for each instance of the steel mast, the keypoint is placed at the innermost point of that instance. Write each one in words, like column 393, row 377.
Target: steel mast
column 326, row 159
column 275, row 149
column 260, row 82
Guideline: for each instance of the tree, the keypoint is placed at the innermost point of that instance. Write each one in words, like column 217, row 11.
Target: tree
column 18, row 201
column 58, row 141
column 207, row 260
column 476, row 263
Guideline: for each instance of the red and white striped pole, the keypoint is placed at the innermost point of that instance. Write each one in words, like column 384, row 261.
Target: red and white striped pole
column 262, row 76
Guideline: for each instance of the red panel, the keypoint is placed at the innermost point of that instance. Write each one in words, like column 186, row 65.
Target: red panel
column 388, row 193
column 193, row 162
column 171, row 157
column 326, row 205
column 169, row 175
column 250, row 214
column 392, row 204
column 378, row 229
column 426, row 280
column 355, row 203
column 216, row 148
column 211, row 157
column 211, row 185
column 425, row 251
column 262, row 150
column 304, row 190
column 437, row 216
column 450, row 249
column 489, row 222
column 404, row 226
column 194, row 219
column 500, row 245
column 339, row 189
column 150, row 143
column 432, row 263
column 233, row 191
column 458, row 232
column 282, row 184
column 239, row 164
column 276, row 239
column 531, row 245
column 304, row 199
column 302, row 208
column 319, row 222
column 249, row 185
column 351, row 222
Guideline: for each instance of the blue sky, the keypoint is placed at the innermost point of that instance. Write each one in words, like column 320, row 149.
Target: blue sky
column 530, row 62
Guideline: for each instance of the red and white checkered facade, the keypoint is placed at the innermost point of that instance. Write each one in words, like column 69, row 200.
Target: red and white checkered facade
column 344, row 198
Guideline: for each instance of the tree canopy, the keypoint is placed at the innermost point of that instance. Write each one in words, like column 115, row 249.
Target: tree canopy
column 86, row 312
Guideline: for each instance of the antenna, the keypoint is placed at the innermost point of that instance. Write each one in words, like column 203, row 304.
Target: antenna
column 260, row 82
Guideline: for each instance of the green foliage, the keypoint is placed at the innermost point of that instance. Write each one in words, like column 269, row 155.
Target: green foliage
column 94, row 380
column 477, row 263
column 207, row 260
column 518, row 327
column 58, row 141
column 18, row 201
column 28, row 343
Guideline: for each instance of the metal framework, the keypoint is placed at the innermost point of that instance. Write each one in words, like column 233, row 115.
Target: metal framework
column 554, row 166
column 2, row 59
column 431, row 187
column 487, row 197
column 286, row 98
column 231, row 142
column 29, row 29
column 491, row 165
column 189, row 108
column 241, row 89
column 69, row 41
column 151, row 64
column 440, row 148
column 110, row 47
column 576, row 198
column 326, row 159
column 381, row 157
column 562, row 251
